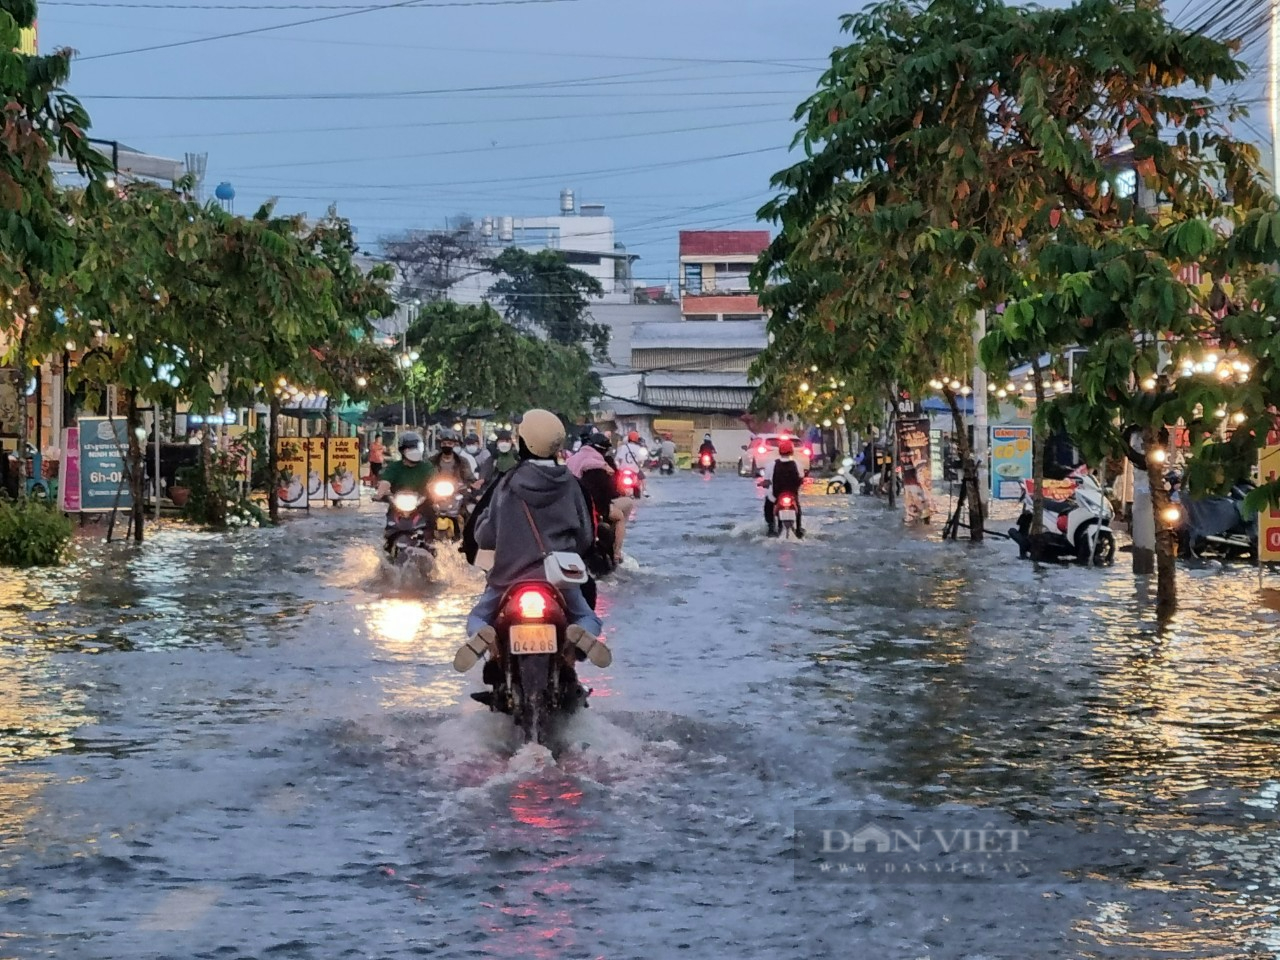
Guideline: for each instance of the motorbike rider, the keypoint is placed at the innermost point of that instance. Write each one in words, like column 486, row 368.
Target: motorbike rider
column 536, row 508
column 592, row 468
column 504, row 457
column 476, row 452
column 782, row 476
column 667, row 450
column 707, row 448
column 408, row 474
column 632, row 453
column 449, row 463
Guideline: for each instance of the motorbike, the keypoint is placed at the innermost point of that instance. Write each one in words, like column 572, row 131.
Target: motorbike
column 450, row 506
column 630, row 482
column 876, row 482
column 785, row 514
column 406, row 533
column 666, row 466
column 1079, row 527
column 1216, row 525
column 532, row 671
column 706, row 463
column 842, row 481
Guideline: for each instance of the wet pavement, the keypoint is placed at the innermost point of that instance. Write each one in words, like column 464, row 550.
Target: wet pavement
column 255, row 746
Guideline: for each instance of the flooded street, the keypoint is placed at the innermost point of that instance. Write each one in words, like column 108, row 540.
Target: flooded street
column 256, row 746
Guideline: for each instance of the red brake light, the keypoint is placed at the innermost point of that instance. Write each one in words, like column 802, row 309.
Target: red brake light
column 706, row 458
column 628, row 479
column 761, row 449
column 785, row 501
column 1062, row 522
column 808, row 451
column 532, row 604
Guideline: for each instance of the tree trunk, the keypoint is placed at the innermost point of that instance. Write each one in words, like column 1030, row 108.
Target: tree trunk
column 1038, row 438
column 136, row 450
column 1166, row 535
column 973, row 496
column 20, row 377
column 273, row 461
column 890, row 450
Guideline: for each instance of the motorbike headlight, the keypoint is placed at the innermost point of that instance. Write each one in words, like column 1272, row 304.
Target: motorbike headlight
column 406, row 502
column 442, row 488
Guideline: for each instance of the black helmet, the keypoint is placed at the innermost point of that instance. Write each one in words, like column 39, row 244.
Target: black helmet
column 445, row 435
column 599, row 441
column 504, row 435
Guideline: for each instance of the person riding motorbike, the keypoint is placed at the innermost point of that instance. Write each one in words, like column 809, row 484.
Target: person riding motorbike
column 707, row 446
column 535, row 509
column 782, row 476
column 592, row 468
column 476, row 452
column 409, row 474
column 450, row 463
column 667, row 450
column 632, row 453
column 504, row 457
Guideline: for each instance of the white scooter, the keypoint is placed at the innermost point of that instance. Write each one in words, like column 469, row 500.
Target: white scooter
column 1079, row 528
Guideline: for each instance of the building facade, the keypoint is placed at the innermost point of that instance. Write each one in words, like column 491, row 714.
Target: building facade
column 715, row 274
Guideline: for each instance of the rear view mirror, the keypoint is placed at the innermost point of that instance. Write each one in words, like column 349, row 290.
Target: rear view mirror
column 745, row 447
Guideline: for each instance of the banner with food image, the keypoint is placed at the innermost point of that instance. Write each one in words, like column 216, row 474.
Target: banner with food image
column 317, row 489
column 344, row 469
column 292, row 461
column 915, row 466
column 1011, row 460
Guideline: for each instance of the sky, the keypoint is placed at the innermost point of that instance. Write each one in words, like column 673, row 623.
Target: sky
column 672, row 113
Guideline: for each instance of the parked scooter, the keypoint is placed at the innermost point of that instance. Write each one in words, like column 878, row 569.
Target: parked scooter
column 1220, row 526
column 843, row 480
column 1079, row 528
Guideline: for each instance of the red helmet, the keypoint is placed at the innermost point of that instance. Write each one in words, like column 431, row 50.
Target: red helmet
column 786, row 448
column 633, row 437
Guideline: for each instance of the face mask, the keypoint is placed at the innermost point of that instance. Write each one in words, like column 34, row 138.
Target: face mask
column 413, row 454
column 446, row 451
column 473, row 448
column 504, row 448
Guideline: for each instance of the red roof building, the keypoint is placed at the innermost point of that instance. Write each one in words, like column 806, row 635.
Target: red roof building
column 715, row 272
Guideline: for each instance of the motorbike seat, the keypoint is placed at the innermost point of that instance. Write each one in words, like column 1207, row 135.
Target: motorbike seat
column 1061, row 507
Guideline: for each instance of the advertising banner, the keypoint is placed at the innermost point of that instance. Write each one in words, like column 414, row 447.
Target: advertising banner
column 104, row 451
column 317, row 489
column 291, row 458
column 1269, row 519
column 916, row 466
column 343, row 481
column 1011, row 460
column 69, row 471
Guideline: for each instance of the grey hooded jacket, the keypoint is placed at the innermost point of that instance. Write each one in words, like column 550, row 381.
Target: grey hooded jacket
column 559, row 509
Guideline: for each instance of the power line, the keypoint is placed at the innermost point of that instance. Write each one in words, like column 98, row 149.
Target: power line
column 536, row 86
column 398, row 4
column 501, row 147
column 398, row 125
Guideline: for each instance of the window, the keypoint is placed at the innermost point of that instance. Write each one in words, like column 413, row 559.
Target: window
column 693, row 278
column 733, row 277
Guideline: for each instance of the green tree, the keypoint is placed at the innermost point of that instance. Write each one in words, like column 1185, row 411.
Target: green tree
column 541, row 291
column 472, row 359
column 38, row 121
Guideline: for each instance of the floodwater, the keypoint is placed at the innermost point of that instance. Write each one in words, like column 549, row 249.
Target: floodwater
column 255, row 746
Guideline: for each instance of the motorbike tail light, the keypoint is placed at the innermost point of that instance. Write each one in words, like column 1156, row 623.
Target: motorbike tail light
column 1062, row 523
column 808, row 451
column 532, row 604
column 706, row 460
column 785, row 501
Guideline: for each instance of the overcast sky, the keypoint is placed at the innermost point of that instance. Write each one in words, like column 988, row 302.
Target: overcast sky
column 423, row 110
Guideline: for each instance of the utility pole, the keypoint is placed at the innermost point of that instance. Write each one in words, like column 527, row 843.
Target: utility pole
column 980, row 432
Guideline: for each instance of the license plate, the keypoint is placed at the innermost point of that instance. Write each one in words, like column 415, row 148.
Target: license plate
column 444, row 523
column 529, row 638
column 787, row 516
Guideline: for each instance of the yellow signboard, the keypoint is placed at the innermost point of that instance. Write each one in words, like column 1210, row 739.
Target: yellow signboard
column 291, row 460
column 343, row 481
column 1269, row 519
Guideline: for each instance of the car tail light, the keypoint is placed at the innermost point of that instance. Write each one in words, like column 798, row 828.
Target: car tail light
column 762, row 450
column 532, row 604
column 1062, row 523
